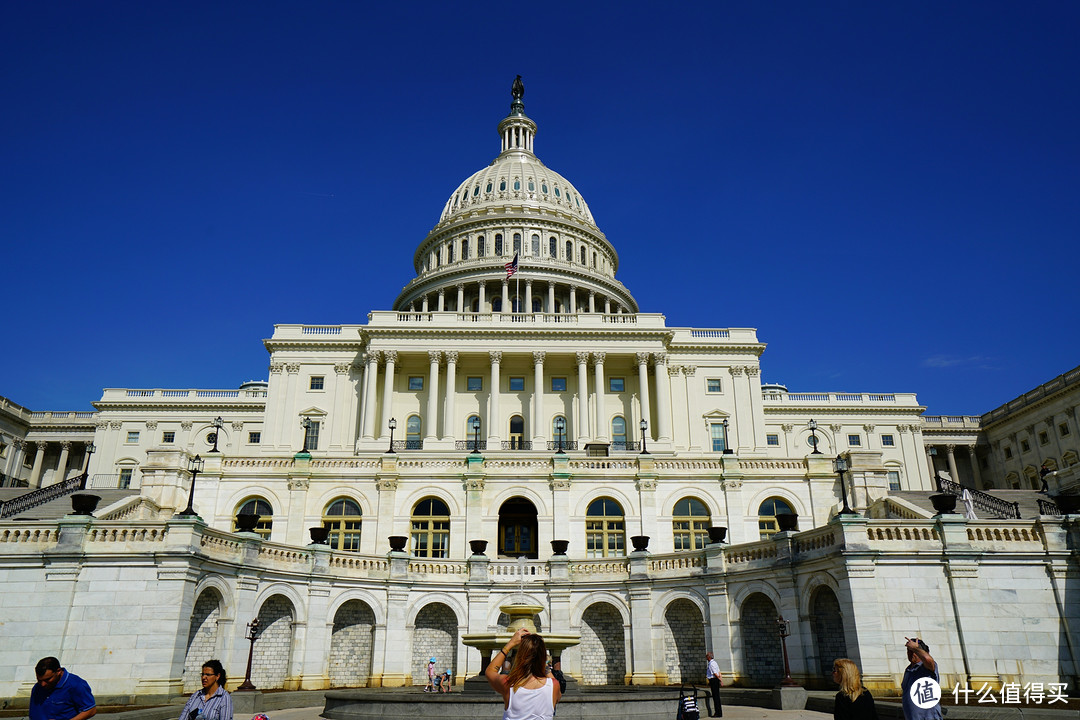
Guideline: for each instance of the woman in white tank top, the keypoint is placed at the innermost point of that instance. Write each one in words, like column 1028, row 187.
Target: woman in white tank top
column 529, row 692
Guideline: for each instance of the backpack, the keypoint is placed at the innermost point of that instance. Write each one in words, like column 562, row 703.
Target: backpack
column 688, row 708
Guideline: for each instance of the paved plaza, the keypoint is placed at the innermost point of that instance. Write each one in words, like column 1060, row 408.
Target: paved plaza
column 736, row 712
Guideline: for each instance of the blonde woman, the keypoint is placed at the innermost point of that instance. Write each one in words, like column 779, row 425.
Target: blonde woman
column 529, row 692
column 853, row 702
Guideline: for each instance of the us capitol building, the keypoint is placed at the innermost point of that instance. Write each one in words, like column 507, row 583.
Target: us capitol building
column 515, row 394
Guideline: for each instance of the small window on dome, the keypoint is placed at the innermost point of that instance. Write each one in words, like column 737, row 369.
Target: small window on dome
column 532, row 186
column 553, row 246
column 465, row 249
column 488, row 187
column 464, row 197
column 557, row 193
column 455, row 202
column 517, row 184
column 517, row 243
column 498, row 245
column 577, row 201
column 569, row 250
column 543, row 188
column 502, row 186
column 481, row 248
column 449, row 252
column 582, row 256
column 536, row 245
column 476, row 191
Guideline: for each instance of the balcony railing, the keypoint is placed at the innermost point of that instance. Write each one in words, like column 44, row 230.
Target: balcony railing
column 565, row 445
column 517, row 444
column 407, row 445
column 984, row 501
column 627, row 445
column 470, row 445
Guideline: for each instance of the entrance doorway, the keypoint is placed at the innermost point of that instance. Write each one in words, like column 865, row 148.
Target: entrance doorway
column 517, row 529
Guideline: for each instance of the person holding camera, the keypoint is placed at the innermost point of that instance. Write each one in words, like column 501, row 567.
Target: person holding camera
column 212, row 702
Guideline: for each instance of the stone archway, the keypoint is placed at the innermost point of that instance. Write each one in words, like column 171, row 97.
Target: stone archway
column 351, row 641
column 435, row 635
column 827, row 624
column 763, row 663
column 518, row 528
column 684, row 642
column 272, row 660
column 603, row 646
column 202, row 643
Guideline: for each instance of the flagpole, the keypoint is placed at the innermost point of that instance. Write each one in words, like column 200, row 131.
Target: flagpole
column 517, row 286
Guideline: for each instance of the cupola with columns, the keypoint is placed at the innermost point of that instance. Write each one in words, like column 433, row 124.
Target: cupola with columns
column 516, row 206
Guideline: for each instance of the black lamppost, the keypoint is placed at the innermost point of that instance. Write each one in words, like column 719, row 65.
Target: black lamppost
column 785, row 630
column 252, row 634
column 727, row 445
column 840, row 465
column 393, row 425
column 560, row 430
column 813, row 433
column 644, row 426
column 217, row 424
column 90, row 450
column 195, row 466
column 476, row 435
column 306, row 424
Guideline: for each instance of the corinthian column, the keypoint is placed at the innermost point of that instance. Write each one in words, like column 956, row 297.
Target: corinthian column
column 643, row 381
column 601, row 433
column 450, row 430
column 61, row 468
column 388, row 393
column 583, row 396
column 432, row 419
column 35, row 472
column 539, row 426
column 371, row 373
column 494, row 422
column 663, row 398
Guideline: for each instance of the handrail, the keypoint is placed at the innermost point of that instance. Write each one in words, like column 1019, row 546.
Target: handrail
column 40, row 496
column 985, row 501
column 1048, row 507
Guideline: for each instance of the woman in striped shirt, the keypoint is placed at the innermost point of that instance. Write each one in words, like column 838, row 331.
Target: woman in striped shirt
column 212, row 702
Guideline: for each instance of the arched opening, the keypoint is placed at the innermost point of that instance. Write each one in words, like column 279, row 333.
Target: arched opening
column 414, row 440
column 516, row 304
column 257, row 506
column 202, row 644
column 760, row 640
column 351, row 642
column 684, row 641
column 476, row 305
column 270, row 666
column 690, row 524
column 605, row 533
column 537, row 305
column 618, row 433
column 434, row 636
column 518, row 528
column 767, row 513
column 498, row 245
column 343, row 518
column 517, row 433
column 603, row 646
column 430, row 529
column 827, row 626
column 496, row 304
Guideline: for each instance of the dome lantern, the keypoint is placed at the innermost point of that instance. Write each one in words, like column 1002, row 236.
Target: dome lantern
column 517, row 130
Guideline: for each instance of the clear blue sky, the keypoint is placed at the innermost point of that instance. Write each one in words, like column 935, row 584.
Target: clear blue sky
column 889, row 192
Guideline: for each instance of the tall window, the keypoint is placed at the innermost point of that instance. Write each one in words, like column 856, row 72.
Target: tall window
column 450, row 252
column 430, row 529
column 470, row 432
column 481, row 249
column 465, row 249
column 605, row 534
column 258, row 506
column 496, row 304
column 553, row 247
column 498, row 244
column 716, row 434
column 535, row 245
column 569, row 250
column 517, row 433
column 618, row 432
column 767, row 516
column 690, row 523
column 311, row 435
column 413, row 439
column 342, row 518
column 582, row 256
column 894, row 479
column 555, row 428
column 517, row 243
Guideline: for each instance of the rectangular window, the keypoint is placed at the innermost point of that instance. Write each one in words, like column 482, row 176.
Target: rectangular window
column 712, row 385
column 1025, row 446
column 168, row 437
column 854, row 441
column 716, row 433
column 1044, row 437
column 416, row 382
column 517, row 384
column 558, row 384
column 1063, row 429
column 125, row 478
column 887, row 441
column 312, row 438
column 616, row 384
column 1008, row 453
column 316, row 382
column 254, row 437
column 773, row 440
column 474, row 384
column 894, row 479
column 133, row 436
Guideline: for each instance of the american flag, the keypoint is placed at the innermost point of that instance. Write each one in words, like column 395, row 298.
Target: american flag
column 511, row 267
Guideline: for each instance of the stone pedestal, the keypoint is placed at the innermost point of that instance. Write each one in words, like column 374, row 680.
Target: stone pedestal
column 788, row 698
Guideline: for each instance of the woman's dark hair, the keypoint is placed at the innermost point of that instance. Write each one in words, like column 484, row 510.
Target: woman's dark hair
column 215, row 666
column 531, row 659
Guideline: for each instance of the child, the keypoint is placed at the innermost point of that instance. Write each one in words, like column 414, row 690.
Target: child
column 430, row 687
column 445, row 677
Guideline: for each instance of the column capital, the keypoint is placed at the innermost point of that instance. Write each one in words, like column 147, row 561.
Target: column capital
column 673, row 370
column 538, row 357
column 434, row 356
column 787, row 427
column 592, row 294
column 372, row 356
column 642, row 358
column 460, row 286
column 660, row 358
column 868, row 428
column 276, row 368
column 451, row 356
column 238, row 425
column 186, row 424
column 598, row 357
column 528, row 282
column 65, row 445
column 736, row 370
column 389, row 356
column 292, row 368
column 582, row 357
column 442, row 292
column 496, row 358
column 950, row 448
column 151, row 424
column 753, row 370
column 342, row 368
column 836, row 428
column 689, row 369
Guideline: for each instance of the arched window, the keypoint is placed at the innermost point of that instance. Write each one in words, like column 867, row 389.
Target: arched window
column 465, row 249
column 430, row 523
column 553, row 247
column 496, row 304
column 582, row 256
column 498, row 245
column 517, row 433
column 517, row 243
column 488, row 188
column 517, row 184
column 342, row 519
column 516, row 304
column 449, row 252
column 536, row 245
column 258, row 506
column 605, row 534
column 538, row 305
column 470, row 431
column 413, row 438
column 532, row 185
column 555, row 422
column 569, row 250
column 767, row 516
column 593, row 260
column 618, row 433
column 690, row 524
column 517, row 529
column 502, row 185
column 481, row 249
column 543, row 188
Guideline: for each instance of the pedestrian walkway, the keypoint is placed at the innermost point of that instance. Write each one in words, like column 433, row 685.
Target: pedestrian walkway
column 734, row 712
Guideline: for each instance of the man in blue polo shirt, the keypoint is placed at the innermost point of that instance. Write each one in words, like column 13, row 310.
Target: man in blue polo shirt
column 60, row 695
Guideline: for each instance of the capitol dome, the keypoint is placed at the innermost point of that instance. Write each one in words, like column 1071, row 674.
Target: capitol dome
column 516, row 207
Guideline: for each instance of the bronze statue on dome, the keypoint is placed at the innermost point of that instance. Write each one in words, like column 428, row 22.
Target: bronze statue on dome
column 518, row 90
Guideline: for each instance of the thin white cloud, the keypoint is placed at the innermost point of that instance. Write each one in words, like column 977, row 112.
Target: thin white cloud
column 980, row 362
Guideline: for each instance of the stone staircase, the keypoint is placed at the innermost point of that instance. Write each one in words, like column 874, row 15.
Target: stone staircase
column 58, row 507
column 1028, row 501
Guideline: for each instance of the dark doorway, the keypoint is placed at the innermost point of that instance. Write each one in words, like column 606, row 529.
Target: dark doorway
column 517, row 529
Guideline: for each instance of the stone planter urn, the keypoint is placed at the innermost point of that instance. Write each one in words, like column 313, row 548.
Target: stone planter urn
column 84, row 503
column 717, row 534
column 398, row 542
column 318, row 534
column 1067, row 504
column 944, row 503
column 246, row 522
column 478, row 546
column 640, row 542
column 787, row 522
column 559, row 547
